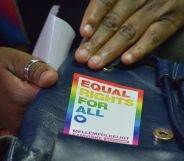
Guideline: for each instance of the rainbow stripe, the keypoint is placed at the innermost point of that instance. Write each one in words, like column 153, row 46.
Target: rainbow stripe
column 71, row 104
column 138, row 118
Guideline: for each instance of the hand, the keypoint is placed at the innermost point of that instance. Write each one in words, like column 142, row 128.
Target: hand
column 15, row 92
column 127, row 28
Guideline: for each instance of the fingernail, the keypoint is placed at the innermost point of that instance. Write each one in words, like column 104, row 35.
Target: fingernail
column 84, row 52
column 128, row 58
column 43, row 76
column 96, row 59
column 48, row 78
column 88, row 28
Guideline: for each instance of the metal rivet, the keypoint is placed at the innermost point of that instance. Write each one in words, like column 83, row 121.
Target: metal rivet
column 163, row 135
column 107, row 69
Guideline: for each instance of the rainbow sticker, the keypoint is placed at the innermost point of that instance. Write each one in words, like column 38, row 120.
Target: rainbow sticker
column 103, row 110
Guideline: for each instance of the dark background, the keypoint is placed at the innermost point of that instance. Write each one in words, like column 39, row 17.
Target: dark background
column 34, row 14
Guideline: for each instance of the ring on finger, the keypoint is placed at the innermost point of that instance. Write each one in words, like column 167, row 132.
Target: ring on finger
column 28, row 67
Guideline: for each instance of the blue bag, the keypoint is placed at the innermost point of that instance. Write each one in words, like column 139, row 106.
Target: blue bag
column 42, row 138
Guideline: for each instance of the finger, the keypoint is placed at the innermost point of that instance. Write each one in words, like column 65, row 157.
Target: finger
column 40, row 74
column 110, row 24
column 126, row 36
column 15, row 96
column 15, row 89
column 93, row 15
column 156, row 34
column 128, row 33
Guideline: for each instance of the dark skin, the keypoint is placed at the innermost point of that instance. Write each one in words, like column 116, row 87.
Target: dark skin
column 111, row 28
column 127, row 29
column 17, row 93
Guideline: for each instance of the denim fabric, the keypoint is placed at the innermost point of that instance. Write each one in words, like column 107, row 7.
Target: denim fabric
column 42, row 139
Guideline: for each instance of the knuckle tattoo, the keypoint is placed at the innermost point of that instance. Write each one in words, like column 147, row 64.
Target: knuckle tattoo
column 127, row 31
column 111, row 21
column 155, row 37
column 169, row 19
column 154, row 5
column 108, row 3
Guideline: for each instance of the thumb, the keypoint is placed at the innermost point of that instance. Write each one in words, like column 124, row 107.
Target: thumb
column 40, row 74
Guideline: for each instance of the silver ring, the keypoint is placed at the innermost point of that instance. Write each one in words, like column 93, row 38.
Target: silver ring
column 28, row 67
